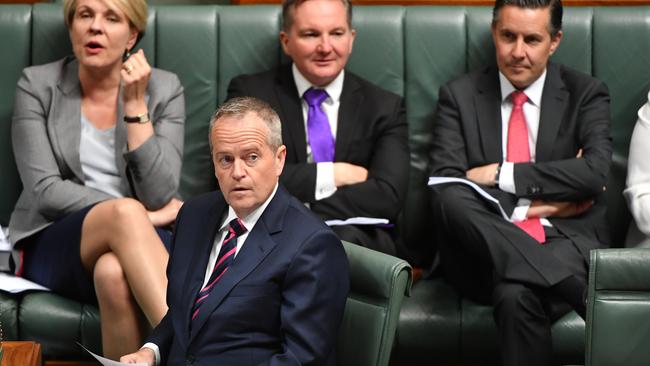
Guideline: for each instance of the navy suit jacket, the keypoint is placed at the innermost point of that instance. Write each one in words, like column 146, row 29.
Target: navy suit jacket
column 280, row 303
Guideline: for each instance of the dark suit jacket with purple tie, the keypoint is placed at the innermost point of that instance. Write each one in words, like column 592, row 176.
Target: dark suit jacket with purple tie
column 280, row 303
column 372, row 132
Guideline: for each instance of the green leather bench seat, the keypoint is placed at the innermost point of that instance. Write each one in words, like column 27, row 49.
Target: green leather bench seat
column 409, row 50
column 619, row 299
column 437, row 326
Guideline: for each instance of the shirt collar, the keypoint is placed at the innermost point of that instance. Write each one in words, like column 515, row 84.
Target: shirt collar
column 533, row 92
column 250, row 220
column 333, row 89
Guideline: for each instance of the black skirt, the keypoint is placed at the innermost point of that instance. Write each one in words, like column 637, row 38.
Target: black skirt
column 52, row 258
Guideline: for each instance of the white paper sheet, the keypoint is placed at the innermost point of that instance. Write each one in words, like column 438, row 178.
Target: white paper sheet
column 13, row 284
column 358, row 221
column 5, row 245
column 106, row 362
column 444, row 180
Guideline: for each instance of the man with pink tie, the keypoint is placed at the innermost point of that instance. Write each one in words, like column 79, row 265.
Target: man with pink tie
column 534, row 135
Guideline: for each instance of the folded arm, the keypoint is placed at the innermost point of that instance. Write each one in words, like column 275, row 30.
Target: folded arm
column 358, row 184
column 574, row 178
column 154, row 166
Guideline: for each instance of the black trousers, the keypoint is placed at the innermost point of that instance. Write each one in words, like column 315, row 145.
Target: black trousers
column 492, row 261
column 369, row 236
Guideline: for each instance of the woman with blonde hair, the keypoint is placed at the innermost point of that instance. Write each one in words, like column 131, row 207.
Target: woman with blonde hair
column 98, row 141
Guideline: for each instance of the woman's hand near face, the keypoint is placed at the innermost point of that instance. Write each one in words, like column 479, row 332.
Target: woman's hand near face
column 135, row 74
column 135, row 77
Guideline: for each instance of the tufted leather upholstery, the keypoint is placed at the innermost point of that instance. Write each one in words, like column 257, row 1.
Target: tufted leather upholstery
column 378, row 283
column 618, row 307
column 409, row 50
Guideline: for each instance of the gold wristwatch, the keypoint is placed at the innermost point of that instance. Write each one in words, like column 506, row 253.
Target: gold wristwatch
column 140, row 118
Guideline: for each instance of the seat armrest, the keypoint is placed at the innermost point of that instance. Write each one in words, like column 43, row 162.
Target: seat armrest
column 378, row 284
column 618, row 309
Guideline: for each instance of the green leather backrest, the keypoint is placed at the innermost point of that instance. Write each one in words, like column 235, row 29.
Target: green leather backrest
column 249, row 42
column 15, row 28
column 186, row 43
column 378, row 284
column 618, row 314
column 621, row 57
column 378, row 54
column 411, row 51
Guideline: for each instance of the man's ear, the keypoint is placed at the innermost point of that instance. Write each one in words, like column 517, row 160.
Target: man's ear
column 284, row 41
column 493, row 31
column 555, row 41
column 353, row 33
column 280, row 156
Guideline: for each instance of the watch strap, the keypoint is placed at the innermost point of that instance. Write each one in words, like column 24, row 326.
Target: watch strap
column 140, row 118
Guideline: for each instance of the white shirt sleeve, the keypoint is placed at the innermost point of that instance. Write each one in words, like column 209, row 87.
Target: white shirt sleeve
column 507, row 184
column 507, row 177
column 156, row 351
column 325, row 186
column 521, row 210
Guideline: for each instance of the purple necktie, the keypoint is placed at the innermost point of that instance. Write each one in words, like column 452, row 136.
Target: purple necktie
column 318, row 127
column 225, row 258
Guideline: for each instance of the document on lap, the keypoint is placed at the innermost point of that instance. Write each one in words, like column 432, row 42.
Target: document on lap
column 13, row 284
column 106, row 362
column 4, row 239
column 445, row 180
column 359, row 221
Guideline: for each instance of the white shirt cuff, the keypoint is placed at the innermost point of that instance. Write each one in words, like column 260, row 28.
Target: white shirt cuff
column 156, row 351
column 325, row 186
column 507, row 177
column 520, row 211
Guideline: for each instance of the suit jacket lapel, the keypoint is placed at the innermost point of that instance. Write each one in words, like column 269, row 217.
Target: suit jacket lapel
column 67, row 121
column 291, row 111
column 257, row 246
column 488, row 109
column 555, row 100
column 199, row 261
column 350, row 101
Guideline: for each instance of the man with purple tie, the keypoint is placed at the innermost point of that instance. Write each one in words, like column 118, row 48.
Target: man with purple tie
column 254, row 277
column 536, row 136
column 347, row 139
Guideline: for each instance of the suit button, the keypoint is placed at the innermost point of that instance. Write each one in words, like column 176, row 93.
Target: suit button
column 534, row 189
column 189, row 360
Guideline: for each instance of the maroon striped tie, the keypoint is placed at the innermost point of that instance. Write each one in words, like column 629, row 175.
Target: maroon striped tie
column 225, row 258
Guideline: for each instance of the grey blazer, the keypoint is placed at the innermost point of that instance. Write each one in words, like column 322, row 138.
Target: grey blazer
column 46, row 132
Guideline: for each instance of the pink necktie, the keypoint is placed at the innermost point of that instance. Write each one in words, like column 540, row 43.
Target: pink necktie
column 518, row 151
column 224, row 259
